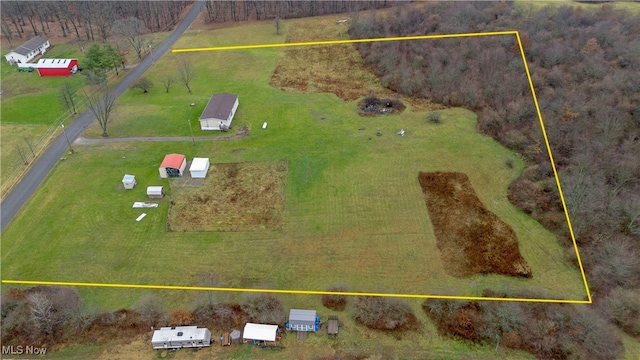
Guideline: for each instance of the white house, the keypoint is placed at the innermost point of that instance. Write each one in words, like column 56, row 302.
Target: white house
column 199, row 167
column 27, row 51
column 256, row 333
column 219, row 112
column 129, row 181
column 181, row 337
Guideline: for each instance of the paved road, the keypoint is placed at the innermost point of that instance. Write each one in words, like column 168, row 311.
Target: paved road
column 28, row 185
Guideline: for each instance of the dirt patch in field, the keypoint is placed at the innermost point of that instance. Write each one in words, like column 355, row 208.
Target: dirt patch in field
column 471, row 239
column 245, row 196
column 336, row 69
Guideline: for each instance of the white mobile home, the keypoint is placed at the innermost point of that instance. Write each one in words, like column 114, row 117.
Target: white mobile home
column 219, row 112
column 199, row 167
column 181, row 337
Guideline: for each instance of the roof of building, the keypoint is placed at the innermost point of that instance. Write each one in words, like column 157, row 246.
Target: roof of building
column 173, row 161
column 219, row 106
column 260, row 332
column 302, row 315
column 30, row 45
column 199, row 164
column 154, row 189
column 128, row 178
column 180, row 333
column 53, row 63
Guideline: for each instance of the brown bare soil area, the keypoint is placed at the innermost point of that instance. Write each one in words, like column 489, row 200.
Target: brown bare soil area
column 234, row 197
column 336, row 69
column 471, row 239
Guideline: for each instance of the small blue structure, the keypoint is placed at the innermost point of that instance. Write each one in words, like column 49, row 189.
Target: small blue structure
column 303, row 320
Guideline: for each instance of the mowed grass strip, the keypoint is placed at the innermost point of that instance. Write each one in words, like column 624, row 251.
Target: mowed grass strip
column 234, row 197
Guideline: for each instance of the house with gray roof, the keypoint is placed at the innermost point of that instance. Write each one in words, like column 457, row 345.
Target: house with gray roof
column 27, row 51
column 219, row 112
column 303, row 320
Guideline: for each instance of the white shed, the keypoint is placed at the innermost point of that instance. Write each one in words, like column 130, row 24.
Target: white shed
column 129, row 181
column 219, row 112
column 181, row 337
column 155, row 192
column 259, row 333
column 199, row 167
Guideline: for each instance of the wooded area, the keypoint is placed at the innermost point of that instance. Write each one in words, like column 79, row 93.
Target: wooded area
column 87, row 20
column 221, row 11
column 585, row 67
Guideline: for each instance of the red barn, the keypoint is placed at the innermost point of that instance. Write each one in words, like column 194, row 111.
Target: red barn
column 57, row 67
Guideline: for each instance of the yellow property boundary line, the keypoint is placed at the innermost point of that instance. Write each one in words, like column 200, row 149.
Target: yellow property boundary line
column 312, row 292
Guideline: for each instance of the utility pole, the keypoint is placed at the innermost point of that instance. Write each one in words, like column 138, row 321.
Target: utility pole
column 66, row 137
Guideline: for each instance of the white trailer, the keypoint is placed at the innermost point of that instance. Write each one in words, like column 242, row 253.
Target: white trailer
column 181, row 337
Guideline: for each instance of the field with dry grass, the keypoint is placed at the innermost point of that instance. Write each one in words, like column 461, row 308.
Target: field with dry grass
column 233, row 197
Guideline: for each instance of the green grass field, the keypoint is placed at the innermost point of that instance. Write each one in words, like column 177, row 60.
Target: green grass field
column 353, row 213
column 31, row 109
column 354, row 210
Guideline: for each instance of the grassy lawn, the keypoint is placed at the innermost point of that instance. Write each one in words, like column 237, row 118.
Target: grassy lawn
column 353, row 203
column 353, row 209
column 31, row 109
column 31, row 112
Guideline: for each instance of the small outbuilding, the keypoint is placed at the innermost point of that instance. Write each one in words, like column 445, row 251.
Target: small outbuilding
column 219, row 112
column 225, row 339
column 260, row 333
column 56, row 67
column 303, row 320
column 181, row 337
column 129, row 181
column 333, row 323
column 27, row 51
column 199, row 168
column 173, row 165
column 236, row 337
column 155, row 192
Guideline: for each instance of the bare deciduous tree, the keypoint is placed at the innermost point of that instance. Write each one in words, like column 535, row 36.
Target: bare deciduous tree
column 143, row 84
column 167, row 82
column 150, row 309
column 102, row 103
column 68, row 96
column 132, row 29
column 42, row 313
column 276, row 23
column 24, row 158
column 186, row 73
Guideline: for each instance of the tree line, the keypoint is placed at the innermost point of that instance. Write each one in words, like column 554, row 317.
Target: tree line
column 88, row 20
column 585, row 67
column 221, row 11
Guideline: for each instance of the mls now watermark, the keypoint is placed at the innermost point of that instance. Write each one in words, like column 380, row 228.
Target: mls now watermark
column 23, row 350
